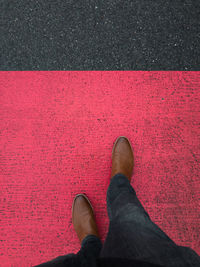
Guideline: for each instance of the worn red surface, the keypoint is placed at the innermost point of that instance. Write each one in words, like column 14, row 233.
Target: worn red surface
column 57, row 133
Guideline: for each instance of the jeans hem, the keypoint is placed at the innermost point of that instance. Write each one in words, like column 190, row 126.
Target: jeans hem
column 89, row 238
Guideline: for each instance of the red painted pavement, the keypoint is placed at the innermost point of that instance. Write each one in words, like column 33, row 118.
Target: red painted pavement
column 57, row 133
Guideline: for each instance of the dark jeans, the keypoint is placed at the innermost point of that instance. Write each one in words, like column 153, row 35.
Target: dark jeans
column 131, row 235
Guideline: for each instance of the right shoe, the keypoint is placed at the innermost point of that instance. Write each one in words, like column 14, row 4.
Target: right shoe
column 122, row 158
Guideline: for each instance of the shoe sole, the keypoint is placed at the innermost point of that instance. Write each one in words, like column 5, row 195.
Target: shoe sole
column 83, row 195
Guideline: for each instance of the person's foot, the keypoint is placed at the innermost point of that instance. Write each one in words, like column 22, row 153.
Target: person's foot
column 122, row 157
column 83, row 217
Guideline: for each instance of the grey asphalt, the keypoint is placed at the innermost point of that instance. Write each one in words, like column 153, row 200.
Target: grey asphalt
column 100, row 35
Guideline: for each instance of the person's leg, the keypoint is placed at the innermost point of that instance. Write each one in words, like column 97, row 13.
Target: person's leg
column 90, row 248
column 133, row 235
column 83, row 219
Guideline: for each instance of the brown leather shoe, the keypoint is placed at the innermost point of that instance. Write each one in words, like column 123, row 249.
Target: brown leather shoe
column 122, row 157
column 83, row 217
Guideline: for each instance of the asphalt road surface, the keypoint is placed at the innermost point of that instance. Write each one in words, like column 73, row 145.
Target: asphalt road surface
column 100, row 35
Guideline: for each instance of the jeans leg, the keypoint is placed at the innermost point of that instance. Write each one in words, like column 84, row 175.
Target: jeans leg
column 124, row 206
column 87, row 255
column 90, row 249
column 132, row 234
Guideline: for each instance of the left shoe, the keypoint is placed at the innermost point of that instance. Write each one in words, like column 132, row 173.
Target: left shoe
column 83, row 217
